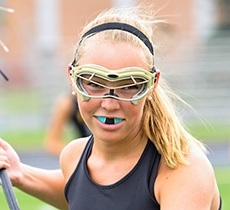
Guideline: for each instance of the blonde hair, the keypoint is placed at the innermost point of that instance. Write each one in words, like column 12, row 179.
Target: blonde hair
column 161, row 123
column 134, row 16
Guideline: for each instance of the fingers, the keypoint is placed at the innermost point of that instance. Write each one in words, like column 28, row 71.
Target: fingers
column 3, row 144
column 4, row 161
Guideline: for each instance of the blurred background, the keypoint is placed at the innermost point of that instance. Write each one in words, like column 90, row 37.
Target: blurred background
column 193, row 54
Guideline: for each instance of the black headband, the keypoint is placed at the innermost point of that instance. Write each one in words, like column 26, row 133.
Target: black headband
column 123, row 27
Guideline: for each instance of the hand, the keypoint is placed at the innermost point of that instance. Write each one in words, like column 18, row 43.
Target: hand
column 9, row 160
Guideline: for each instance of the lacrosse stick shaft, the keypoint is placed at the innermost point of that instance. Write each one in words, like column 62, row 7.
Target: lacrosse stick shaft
column 4, row 76
column 8, row 190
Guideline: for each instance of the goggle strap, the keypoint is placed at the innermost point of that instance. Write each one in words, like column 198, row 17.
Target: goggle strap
column 154, row 71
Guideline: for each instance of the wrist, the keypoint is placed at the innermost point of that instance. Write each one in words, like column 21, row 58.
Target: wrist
column 18, row 177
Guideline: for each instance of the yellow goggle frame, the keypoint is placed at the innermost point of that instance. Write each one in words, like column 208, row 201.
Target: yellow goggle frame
column 137, row 75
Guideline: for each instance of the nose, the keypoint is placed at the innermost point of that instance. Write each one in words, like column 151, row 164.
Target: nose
column 110, row 104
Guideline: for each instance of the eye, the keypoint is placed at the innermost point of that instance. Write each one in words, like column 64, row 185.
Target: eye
column 133, row 87
column 93, row 85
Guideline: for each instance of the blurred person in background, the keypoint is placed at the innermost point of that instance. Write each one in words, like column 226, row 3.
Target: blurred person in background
column 65, row 112
column 139, row 156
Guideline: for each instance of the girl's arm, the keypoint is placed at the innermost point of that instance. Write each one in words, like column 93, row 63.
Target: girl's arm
column 46, row 185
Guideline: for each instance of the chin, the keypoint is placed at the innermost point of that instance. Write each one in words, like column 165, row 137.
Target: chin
column 109, row 136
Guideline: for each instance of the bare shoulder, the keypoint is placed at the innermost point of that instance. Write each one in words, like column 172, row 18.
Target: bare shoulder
column 190, row 186
column 70, row 156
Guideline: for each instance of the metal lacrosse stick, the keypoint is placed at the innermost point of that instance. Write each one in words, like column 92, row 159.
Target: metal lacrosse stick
column 5, row 181
column 4, row 76
column 8, row 190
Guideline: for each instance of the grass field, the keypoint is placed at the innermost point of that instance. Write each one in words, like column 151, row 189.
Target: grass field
column 25, row 202
column 223, row 180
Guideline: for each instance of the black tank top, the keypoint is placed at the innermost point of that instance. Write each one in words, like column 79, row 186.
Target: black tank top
column 133, row 192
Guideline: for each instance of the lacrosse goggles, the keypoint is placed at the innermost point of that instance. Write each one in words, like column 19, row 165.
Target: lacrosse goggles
column 126, row 84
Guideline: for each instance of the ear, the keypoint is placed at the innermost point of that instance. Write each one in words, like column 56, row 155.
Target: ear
column 69, row 75
column 158, row 74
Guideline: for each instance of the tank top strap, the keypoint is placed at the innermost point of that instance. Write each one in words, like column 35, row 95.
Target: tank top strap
column 83, row 157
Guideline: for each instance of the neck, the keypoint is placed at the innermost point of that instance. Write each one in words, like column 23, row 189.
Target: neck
column 129, row 146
